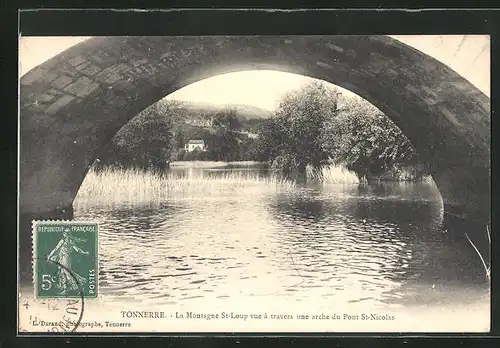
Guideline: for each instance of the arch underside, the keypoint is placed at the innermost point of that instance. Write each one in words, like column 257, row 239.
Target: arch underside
column 73, row 104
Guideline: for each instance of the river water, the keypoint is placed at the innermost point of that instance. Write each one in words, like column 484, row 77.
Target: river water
column 323, row 245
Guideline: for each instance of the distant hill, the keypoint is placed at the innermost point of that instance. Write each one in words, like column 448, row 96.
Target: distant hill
column 200, row 110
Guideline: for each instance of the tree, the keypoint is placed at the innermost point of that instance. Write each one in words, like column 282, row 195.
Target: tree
column 365, row 140
column 226, row 128
column 292, row 140
column 147, row 141
column 246, row 149
column 270, row 139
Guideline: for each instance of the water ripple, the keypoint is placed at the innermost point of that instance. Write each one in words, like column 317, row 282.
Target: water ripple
column 334, row 242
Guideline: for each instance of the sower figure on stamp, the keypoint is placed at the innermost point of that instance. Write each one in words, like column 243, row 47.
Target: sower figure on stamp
column 61, row 255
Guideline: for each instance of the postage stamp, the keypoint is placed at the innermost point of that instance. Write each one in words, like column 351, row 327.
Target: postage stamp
column 65, row 259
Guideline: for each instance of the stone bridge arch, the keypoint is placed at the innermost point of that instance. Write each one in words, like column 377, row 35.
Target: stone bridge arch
column 73, row 104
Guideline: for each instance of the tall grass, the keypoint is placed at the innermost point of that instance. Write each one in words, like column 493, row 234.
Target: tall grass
column 132, row 185
column 332, row 174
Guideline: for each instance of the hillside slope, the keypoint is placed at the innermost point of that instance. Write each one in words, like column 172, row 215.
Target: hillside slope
column 199, row 110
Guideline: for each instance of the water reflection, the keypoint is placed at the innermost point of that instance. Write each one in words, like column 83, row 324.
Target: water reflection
column 388, row 237
column 382, row 245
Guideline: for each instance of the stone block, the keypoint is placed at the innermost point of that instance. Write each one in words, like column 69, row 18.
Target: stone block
column 82, row 87
column 113, row 73
column 38, row 107
column 412, row 89
column 49, row 76
column 33, row 76
column 54, row 92
column 335, row 47
column 78, row 60
column 59, row 104
column 88, row 68
column 44, row 98
column 324, row 65
column 450, row 116
column 62, row 81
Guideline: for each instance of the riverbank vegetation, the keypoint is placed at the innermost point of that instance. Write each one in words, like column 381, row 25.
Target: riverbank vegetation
column 136, row 185
column 313, row 127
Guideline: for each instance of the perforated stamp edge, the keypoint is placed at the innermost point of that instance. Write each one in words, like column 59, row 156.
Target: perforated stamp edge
column 34, row 254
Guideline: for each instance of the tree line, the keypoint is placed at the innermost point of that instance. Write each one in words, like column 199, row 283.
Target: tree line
column 158, row 135
column 317, row 126
column 313, row 126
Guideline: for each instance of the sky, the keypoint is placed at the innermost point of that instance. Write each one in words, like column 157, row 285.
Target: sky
column 469, row 55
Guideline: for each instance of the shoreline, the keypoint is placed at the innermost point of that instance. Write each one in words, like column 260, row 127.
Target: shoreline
column 213, row 164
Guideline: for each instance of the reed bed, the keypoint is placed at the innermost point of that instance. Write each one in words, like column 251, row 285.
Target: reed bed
column 332, row 175
column 134, row 185
column 137, row 185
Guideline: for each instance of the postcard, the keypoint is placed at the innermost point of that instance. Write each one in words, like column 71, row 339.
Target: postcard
column 320, row 183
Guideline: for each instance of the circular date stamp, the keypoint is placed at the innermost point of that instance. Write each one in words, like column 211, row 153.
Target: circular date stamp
column 60, row 315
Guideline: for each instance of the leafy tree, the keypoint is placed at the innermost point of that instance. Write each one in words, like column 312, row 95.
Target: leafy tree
column 270, row 139
column 246, row 149
column 292, row 140
column 226, row 128
column 147, row 141
column 365, row 140
column 254, row 125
